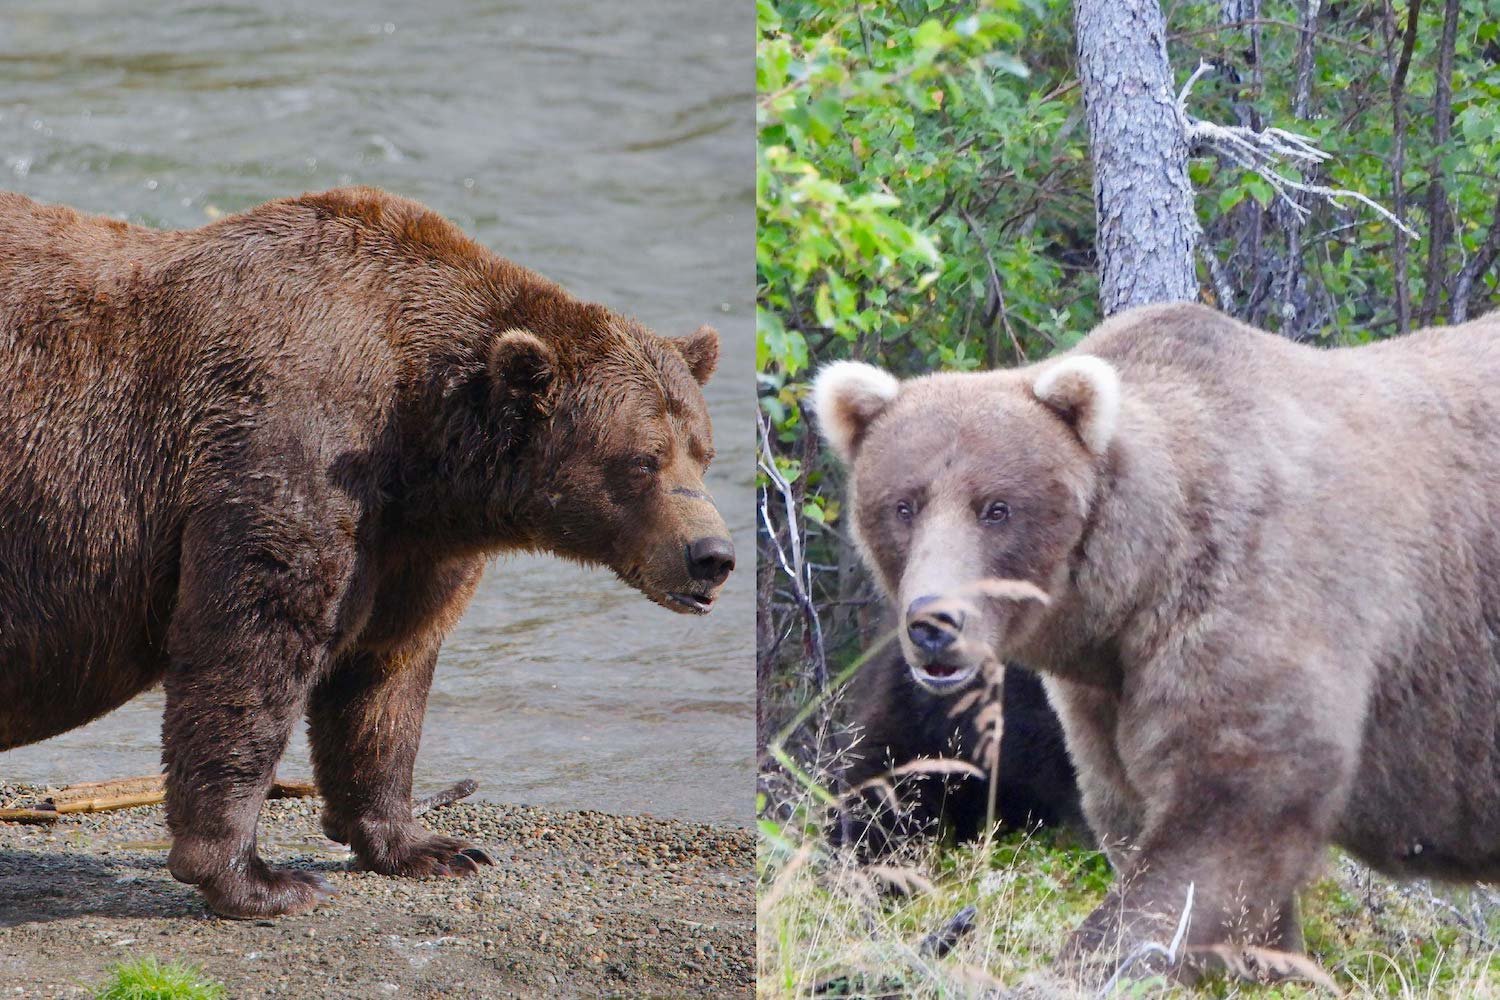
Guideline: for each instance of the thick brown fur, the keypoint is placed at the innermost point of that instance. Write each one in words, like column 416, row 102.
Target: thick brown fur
column 264, row 462
column 1273, row 582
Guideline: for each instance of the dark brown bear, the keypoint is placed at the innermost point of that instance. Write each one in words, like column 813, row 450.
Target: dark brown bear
column 265, row 461
column 895, row 721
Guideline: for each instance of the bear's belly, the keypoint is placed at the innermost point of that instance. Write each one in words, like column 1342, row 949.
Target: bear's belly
column 74, row 645
column 43, row 695
column 1426, row 799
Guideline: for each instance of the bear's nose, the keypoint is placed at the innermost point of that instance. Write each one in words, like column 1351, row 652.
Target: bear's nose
column 711, row 559
column 933, row 629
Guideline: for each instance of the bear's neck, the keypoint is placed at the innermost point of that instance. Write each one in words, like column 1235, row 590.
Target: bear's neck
column 1121, row 574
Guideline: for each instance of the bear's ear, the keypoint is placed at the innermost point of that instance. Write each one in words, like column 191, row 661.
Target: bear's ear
column 700, row 350
column 521, row 368
column 846, row 396
column 1085, row 392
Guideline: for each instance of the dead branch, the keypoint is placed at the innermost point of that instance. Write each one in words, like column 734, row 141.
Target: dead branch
column 1261, row 151
column 1479, row 264
column 945, row 938
column 292, row 790
column 34, row 816
column 446, row 797
column 1398, row 152
column 792, row 563
column 1437, row 193
column 128, row 793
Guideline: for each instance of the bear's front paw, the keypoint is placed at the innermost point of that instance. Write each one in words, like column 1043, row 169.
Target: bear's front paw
column 265, row 892
column 414, row 852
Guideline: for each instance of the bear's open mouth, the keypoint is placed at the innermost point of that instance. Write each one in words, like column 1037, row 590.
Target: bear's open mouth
column 696, row 603
column 938, row 676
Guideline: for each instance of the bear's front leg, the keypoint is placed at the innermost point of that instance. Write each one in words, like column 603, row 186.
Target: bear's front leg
column 1111, row 805
column 366, row 723
column 1241, row 790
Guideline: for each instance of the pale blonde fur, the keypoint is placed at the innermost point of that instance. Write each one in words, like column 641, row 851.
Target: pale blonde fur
column 846, row 396
column 1086, row 390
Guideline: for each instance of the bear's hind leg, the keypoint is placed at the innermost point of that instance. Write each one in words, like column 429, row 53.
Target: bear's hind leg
column 250, row 633
column 224, row 731
column 366, row 722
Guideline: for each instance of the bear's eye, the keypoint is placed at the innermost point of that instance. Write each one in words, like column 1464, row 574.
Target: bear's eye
column 996, row 513
column 903, row 510
column 647, row 465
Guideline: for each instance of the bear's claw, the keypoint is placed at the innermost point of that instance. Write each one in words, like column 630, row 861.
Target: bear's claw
column 266, row 892
column 415, row 853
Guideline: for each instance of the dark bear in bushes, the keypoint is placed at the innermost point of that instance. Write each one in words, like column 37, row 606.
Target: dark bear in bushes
column 895, row 721
column 264, row 463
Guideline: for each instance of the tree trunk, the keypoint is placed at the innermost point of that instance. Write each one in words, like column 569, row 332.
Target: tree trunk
column 1147, row 229
column 1437, row 192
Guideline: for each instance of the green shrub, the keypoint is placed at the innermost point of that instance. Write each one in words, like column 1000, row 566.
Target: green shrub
column 148, row 979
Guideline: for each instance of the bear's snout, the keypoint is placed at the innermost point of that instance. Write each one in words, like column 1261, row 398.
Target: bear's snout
column 933, row 624
column 710, row 560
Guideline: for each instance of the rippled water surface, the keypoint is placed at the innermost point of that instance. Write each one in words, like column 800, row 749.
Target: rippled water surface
column 607, row 145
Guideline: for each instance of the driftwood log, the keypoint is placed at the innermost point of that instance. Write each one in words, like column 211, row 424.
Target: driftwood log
column 122, row 793
column 150, row 789
column 446, row 797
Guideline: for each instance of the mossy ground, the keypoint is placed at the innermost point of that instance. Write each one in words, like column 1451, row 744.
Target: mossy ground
column 828, row 928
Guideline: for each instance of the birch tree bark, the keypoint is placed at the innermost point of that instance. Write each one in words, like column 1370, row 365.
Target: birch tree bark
column 1147, row 229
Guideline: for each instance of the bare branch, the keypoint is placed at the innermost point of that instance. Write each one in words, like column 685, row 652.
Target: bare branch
column 1437, row 193
column 1398, row 151
column 792, row 563
column 1479, row 264
column 1262, row 150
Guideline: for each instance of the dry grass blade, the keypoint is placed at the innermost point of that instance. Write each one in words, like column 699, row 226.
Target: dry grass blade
column 905, row 880
column 858, row 886
column 989, row 716
column 964, row 702
column 1001, row 589
column 786, row 877
column 1261, row 965
column 937, row 765
column 879, row 784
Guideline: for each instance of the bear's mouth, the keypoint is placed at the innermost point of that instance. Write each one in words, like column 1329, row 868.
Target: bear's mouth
column 940, row 678
column 694, row 604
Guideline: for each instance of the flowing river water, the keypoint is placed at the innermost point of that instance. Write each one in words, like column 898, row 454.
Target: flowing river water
column 608, row 146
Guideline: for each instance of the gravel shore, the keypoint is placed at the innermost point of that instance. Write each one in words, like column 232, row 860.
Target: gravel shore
column 577, row 904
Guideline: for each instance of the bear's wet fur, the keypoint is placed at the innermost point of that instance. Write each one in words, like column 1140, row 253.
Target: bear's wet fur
column 264, row 462
column 1260, row 580
column 894, row 721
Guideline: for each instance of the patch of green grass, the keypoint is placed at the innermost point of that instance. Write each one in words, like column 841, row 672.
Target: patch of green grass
column 825, row 922
column 148, row 979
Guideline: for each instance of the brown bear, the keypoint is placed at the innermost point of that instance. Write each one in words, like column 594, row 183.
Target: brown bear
column 264, row 462
column 895, row 721
column 1261, row 579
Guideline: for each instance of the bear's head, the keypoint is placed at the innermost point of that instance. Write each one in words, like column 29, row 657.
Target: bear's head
column 969, row 495
column 613, row 442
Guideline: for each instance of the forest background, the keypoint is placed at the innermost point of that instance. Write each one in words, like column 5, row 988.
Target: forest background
column 925, row 199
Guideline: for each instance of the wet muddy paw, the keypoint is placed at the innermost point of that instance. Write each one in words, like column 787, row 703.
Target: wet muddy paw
column 414, row 852
column 265, row 892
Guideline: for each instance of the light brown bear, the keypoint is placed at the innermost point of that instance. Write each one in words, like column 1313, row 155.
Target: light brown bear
column 1267, row 593
column 264, row 462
